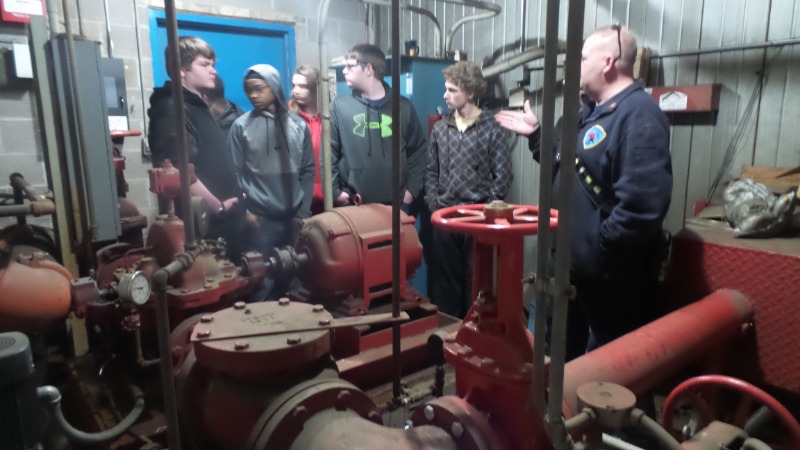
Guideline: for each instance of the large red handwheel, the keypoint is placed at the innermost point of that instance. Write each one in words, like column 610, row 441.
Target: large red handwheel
column 502, row 218
column 702, row 394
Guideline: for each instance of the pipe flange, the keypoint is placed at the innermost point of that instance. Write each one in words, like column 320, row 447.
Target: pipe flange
column 466, row 424
column 283, row 421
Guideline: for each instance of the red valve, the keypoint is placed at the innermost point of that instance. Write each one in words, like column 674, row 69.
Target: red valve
column 703, row 396
column 503, row 218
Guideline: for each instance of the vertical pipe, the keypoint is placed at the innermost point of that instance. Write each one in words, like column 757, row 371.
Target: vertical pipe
column 18, row 200
column 523, row 24
column 52, row 16
column 84, row 181
column 545, row 203
column 179, row 123
column 323, row 94
column 109, row 42
column 396, row 196
column 145, row 148
column 563, row 245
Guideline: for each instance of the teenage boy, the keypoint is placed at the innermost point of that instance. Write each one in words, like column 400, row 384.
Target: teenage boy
column 274, row 163
column 216, row 181
column 361, row 135
column 469, row 162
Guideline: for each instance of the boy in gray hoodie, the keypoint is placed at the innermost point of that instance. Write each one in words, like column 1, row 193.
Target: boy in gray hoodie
column 274, row 164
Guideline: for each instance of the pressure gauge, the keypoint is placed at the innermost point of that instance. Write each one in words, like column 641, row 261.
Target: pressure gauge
column 134, row 287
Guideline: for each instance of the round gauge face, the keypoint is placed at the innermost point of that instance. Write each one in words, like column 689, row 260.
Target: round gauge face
column 135, row 287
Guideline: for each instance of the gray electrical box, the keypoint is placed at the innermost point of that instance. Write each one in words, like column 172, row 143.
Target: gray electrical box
column 91, row 172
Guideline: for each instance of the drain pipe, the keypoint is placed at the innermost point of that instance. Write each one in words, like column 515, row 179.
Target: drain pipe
column 493, row 10
column 396, row 195
column 437, row 30
column 179, row 123
column 325, row 107
column 544, row 234
column 554, row 424
column 161, row 277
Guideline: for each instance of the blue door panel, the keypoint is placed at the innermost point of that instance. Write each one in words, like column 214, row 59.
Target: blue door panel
column 237, row 43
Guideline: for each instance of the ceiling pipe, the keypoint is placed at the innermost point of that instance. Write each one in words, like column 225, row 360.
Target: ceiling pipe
column 514, row 61
column 493, row 10
column 437, row 31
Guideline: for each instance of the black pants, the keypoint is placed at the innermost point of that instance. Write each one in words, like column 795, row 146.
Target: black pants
column 450, row 272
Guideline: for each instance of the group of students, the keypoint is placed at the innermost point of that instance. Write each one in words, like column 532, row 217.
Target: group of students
column 262, row 175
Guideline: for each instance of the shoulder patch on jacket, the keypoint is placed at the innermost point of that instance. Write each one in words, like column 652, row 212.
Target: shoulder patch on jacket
column 593, row 137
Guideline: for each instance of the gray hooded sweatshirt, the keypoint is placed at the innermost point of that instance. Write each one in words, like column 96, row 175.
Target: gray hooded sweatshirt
column 273, row 157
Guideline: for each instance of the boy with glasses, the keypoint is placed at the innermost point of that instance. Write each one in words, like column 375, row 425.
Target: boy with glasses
column 361, row 136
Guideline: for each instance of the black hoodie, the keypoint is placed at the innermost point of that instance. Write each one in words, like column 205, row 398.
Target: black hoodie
column 361, row 147
column 207, row 146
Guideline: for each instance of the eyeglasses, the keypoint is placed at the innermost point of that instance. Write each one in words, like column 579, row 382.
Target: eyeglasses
column 352, row 66
column 617, row 27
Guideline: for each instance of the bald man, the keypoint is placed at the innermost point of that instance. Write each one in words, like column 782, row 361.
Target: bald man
column 624, row 175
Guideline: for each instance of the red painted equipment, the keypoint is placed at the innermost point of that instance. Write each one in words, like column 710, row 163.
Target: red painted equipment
column 492, row 352
column 34, row 294
column 343, row 258
column 706, row 257
column 700, row 392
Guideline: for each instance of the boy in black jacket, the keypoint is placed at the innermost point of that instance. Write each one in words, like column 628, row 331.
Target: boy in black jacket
column 216, row 181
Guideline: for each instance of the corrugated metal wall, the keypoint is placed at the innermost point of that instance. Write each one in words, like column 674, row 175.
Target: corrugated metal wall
column 699, row 143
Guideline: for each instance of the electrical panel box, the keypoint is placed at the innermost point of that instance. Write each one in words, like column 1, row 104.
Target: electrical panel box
column 89, row 159
column 116, row 98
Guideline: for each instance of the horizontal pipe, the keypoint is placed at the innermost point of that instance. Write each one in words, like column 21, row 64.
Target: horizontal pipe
column 41, row 208
column 730, row 48
column 513, row 62
column 641, row 359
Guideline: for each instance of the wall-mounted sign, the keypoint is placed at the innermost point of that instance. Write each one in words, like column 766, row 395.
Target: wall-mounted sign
column 20, row 10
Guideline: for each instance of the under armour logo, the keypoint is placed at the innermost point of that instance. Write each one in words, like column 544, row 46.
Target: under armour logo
column 360, row 129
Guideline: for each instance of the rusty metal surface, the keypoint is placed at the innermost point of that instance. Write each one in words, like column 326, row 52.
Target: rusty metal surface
column 467, row 425
column 244, row 351
column 705, row 258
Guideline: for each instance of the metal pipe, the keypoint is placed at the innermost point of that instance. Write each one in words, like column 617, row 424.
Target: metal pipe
column 36, row 209
column 437, row 30
column 545, row 204
column 523, row 25
column 52, row 16
column 516, row 60
column 638, row 417
column 396, row 195
column 730, row 48
column 18, row 182
column 640, row 359
column 53, row 397
column 755, row 444
column 82, row 173
column 109, row 42
column 563, row 291
column 323, row 93
column 179, row 123
column 493, row 11
column 183, row 261
column 145, row 147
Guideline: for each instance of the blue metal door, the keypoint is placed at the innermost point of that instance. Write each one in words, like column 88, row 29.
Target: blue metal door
column 237, row 43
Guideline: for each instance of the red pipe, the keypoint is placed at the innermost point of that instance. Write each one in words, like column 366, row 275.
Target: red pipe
column 641, row 359
column 745, row 388
column 32, row 299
